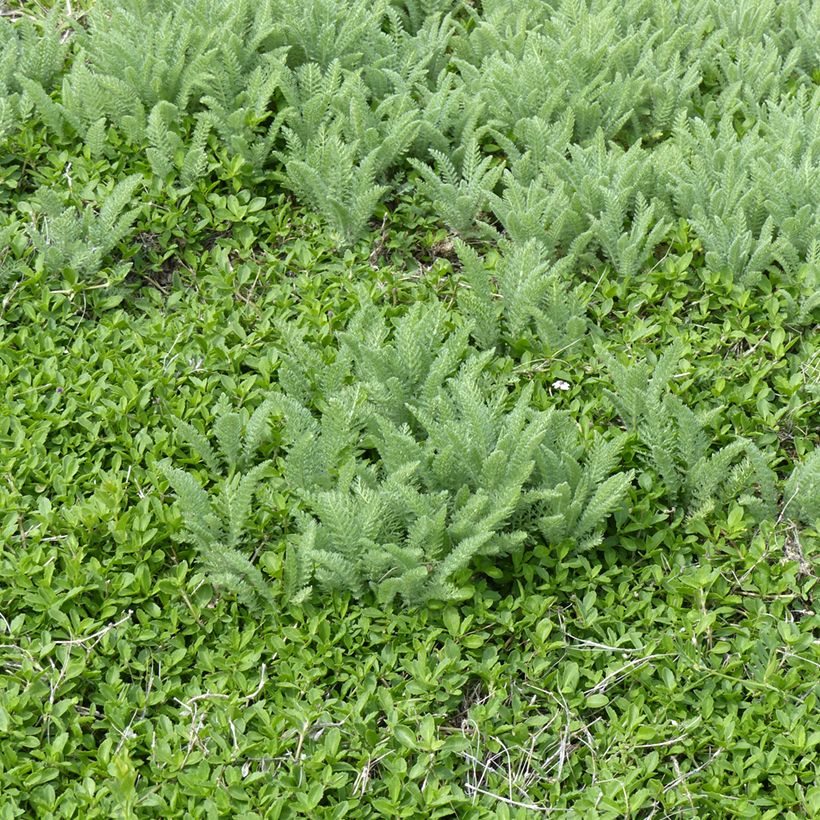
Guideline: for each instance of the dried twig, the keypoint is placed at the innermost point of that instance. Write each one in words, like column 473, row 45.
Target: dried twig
column 682, row 778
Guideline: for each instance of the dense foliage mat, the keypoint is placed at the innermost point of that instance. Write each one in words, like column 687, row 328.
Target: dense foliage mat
column 409, row 408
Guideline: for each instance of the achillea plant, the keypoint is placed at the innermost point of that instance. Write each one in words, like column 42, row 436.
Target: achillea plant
column 416, row 466
column 675, row 444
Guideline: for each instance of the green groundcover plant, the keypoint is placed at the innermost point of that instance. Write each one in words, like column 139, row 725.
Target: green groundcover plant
column 409, row 409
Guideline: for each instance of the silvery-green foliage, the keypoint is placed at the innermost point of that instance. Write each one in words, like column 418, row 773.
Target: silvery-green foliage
column 31, row 55
column 163, row 142
column 195, row 158
column 76, row 242
column 417, row 464
column 459, row 484
column 534, row 142
column 216, row 522
column 592, row 174
column 534, row 212
column 500, row 25
column 315, row 95
column 416, row 13
column 787, row 23
column 598, row 197
column 628, row 234
column 317, row 449
column 161, row 51
column 514, row 88
column 386, row 130
column 805, row 309
column 341, row 101
column 413, row 77
column 756, row 53
column 799, row 26
column 323, row 31
column 8, row 113
column 417, row 56
column 88, row 97
column 521, row 301
column 340, row 143
column 445, row 501
column 407, row 365
column 749, row 198
column 575, row 489
column 792, row 172
column 801, row 495
column 751, row 77
column 459, row 185
column 32, row 49
column 308, row 371
column 138, row 54
column 444, row 117
column 215, row 526
column 332, row 177
column 240, row 100
column 675, row 443
column 613, row 66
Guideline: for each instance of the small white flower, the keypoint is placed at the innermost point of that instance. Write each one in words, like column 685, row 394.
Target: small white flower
column 560, row 384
